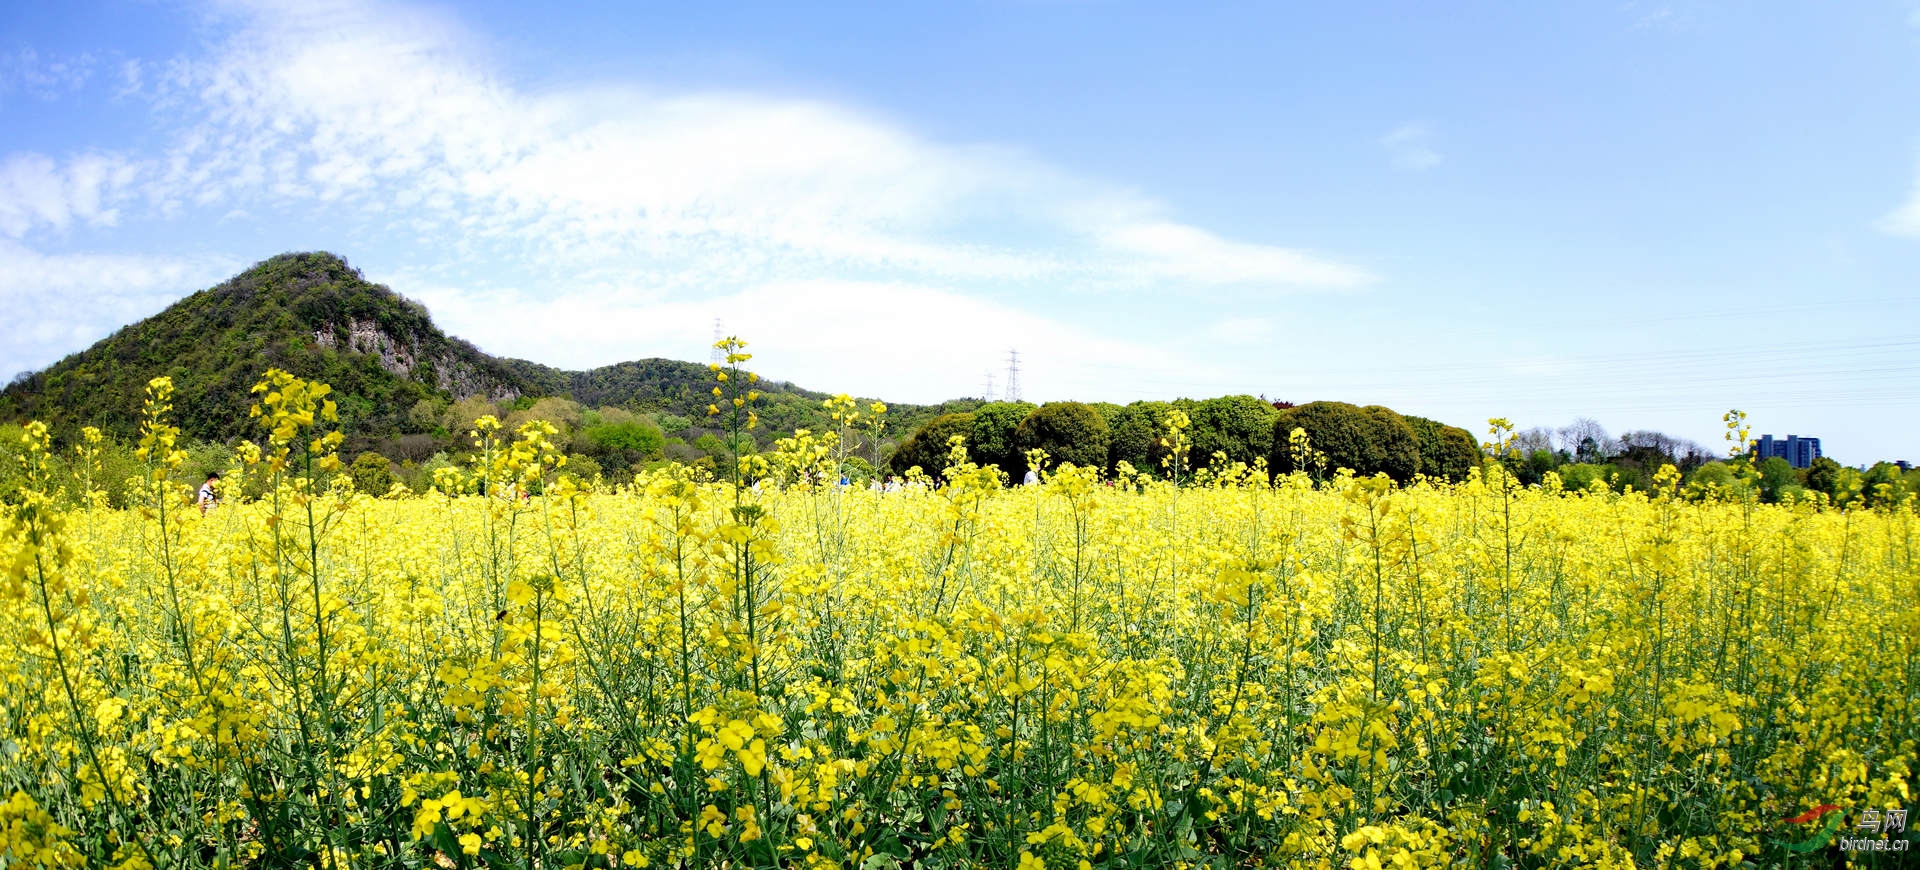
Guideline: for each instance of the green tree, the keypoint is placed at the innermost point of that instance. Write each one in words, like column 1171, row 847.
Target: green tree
column 1714, row 478
column 424, row 415
column 1776, row 475
column 563, row 413
column 1239, row 426
column 1581, row 475
column 1532, row 468
column 1069, row 431
column 927, row 448
column 459, row 416
column 713, row 448
column 1448, row 452
column 1621, row 475
column 992, row 439
column 585, row 468
column 1824, row 476
column 1340, row 430
column 858, row 470
column 1135, row 436
column 372, row 473
column 205, row 458
column 1369, row 440
column 1108, row 411
column 1395, row 452
column 629, row 441
column 1883, row 485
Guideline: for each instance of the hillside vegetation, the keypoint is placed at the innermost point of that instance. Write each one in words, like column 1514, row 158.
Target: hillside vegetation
column 405, row 389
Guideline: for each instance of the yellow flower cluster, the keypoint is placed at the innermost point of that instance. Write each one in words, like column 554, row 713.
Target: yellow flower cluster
column 1077, row 674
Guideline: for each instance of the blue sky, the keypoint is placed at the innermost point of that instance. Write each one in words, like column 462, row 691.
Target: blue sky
column 1643, row 213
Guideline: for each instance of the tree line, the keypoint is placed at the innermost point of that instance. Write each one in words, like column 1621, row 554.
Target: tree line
column 1582, row 455
column 612, row 444
column 1226, row 429
column 1370, row 440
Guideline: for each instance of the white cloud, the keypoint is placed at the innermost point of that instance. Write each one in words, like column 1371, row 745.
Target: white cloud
column 853, row 252
column 132, row 77
column 386, row 109
column 45, row 78
column 37, row 191
column 1410, row 147
column 58, row 303
column 1193, row 255
column 903, row 342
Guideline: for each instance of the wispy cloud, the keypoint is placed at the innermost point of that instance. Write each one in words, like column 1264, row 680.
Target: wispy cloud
column 58, row 302
column 1659, row 16
column 1654, row 18
column 44, row 77
column 1410, row 147
column 384, row 109
column 902, row 341
column 37, row 191
column 640, row 204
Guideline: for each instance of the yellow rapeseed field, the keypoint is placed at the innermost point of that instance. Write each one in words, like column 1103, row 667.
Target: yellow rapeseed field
column 1084, row 673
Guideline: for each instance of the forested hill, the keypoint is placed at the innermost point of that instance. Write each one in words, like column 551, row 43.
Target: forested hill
column 317, row 317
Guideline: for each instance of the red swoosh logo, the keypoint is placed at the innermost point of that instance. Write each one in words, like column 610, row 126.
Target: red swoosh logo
column 1812, row 814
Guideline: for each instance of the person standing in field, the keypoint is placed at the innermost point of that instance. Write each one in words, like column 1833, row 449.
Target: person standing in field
column 209, row 497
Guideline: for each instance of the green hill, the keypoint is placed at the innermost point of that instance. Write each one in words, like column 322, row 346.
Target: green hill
column 315, row 316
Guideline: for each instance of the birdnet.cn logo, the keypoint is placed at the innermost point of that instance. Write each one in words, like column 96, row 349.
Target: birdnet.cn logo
column 1884, row 823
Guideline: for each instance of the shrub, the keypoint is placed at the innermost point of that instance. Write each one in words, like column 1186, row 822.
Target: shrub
column 1369, row 440
column 1134, row 436
column 1392, row 449
column 1882, row 485
column 1581, row 476
column 631, row 440
column 1069, row 432
column 372, row 473
column 1239, row 426
column 1337, row 429
column 585, row 469
column 1776, row 474
column 992, row 438
column 927, row 448
column 1448, row 452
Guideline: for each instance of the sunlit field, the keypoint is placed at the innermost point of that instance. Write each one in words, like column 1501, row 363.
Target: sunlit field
column 1083, row 672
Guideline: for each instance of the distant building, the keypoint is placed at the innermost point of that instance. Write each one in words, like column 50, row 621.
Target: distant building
column 1797, row 451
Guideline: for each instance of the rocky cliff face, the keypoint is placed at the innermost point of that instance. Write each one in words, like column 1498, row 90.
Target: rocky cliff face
column 405, row 357
column 366, row 336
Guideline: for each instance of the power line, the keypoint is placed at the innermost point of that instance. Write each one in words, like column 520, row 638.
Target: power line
column 717, row 356
column 1013, row 376
column 988, row 395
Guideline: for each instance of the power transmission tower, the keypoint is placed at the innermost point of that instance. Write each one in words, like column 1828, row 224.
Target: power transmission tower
column 988, row 395
column 718, row 356
column 1013, row 376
